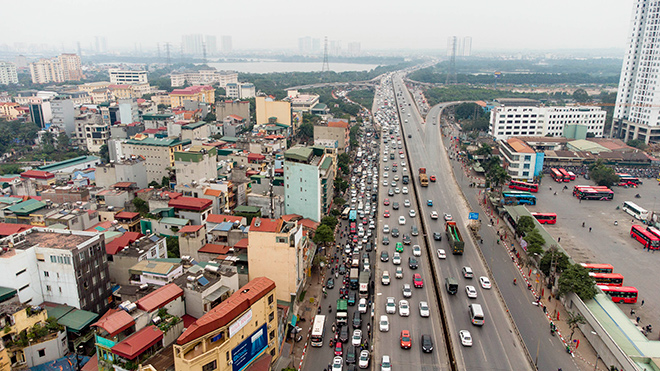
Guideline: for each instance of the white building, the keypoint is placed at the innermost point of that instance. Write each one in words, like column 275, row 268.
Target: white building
column 526, row 117
column 520, row 160
column 206, row 76
column 637, row 111
column 241, row 90
column 63, row 114
column 119, row 77
column 8, row 73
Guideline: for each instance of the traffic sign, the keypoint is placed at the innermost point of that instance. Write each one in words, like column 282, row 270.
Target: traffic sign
column 473, row 216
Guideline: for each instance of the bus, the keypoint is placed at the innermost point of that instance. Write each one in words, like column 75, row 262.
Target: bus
column 655, row 231
column 564, row 174
column 607, row 279
column 593, row 193
column 598, row 268
column 353, row 227
column 352, row 216
column 635, row 210
column 518, row 198
column 556, row 175
column 628, row 180
column 546, row 218
column 344, row 214
column 318, row 330
column 524, row 186
column 571, row 175
column 620, row 294
column 646, row 238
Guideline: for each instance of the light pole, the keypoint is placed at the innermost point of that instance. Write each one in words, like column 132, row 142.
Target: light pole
column 597, row 355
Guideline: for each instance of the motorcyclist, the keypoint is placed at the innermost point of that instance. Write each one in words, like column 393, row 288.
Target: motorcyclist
column 515, row 281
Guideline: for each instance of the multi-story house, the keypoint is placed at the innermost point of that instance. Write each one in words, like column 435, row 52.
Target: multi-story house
column 309, row 174
column 158, row 154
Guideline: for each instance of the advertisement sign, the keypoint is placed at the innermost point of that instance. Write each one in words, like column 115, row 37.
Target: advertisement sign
column 240, row 323
column 249, row 349
column 473, row 216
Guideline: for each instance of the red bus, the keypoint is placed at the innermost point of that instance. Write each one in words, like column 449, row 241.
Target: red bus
column 524, row 186
column 654, row 230
column 593, row 193
column 572, row 175
column 622, row 294
column 556, row 175
column 646, row 238
column 628, row 180
column 607, row 279
column 352, row 227
column 598, row 268
column 546, row 218
column 564, row 175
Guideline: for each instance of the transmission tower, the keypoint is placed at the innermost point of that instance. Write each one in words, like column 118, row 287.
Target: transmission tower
column 204, row 51
column 167, row 50
column 451, row 74
column 326, row 66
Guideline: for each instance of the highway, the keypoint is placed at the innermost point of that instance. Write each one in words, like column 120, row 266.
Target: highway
column 496, row 345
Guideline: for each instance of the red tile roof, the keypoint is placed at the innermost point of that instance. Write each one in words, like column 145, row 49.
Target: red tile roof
column 211, row 248
column 37, row 174
column 7, row 229
column 267, row 225
column 260, row 364
column 171, row 195
column 119, row 243
column 159, row 298
column 191, row 90
column 124, row 185
column 126, row 215
column 213, row 192
column 219, row 218
column 338, row 124
column 136, row 344
column 290, row 217
column 190, row 203
column 100, row 227
column 229, row 309
column 309, row 223
column 190, row 228
column 242, row 244
column 188, row 320
column 255, row 156
column 236, row 117
column 115, row 321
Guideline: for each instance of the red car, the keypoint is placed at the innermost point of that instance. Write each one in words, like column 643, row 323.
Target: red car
column 406, row 343
column 386, row 214
column 432, row 178
column 386, row 202
column 418, row 281
column 338, row 348
column 354, row 238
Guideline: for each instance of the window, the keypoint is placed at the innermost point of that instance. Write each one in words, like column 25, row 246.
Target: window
column 53, row 259
column 24, row 287
column 48, row 288
column 270, row 299
column 210, row 366
column 271, row 336
column 271, row 316
column 46, row 274
column 20, row 272
column 42, row 352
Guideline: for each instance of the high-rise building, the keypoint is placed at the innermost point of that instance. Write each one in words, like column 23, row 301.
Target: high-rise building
column 66, row 67
column 637, row 110
column 100, row 44
column 354, row 49
column 192, row 44
column 305, row 44
column 467, row 46
column 211, row 44
column 226, row 44
column 308, row 181
column 8, row 73
column 71, row 67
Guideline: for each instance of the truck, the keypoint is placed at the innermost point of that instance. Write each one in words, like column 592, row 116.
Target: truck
column 353, row 278
column 342, row 312
column 454, row 237
column 364, row 284
column 423, row 178
column 405, row 178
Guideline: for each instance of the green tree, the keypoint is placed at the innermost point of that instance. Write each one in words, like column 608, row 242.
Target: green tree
column 306, row 132
column 172, row 247
column 318, row 259
column 340, row 185
column 524, row 225
column 330, row 221
column 576, row 279
column 485, row 150
column 639, row 144
column 335, row 212
column 154, row 184
column 165, row 182
column 62, row 141
column 210, row 117
column 581, row 96
column 105, row 153
column 535, row 242
column 141, row 206
column 556, row 257
column 497, row 176
column 323, row 235
column 573, row 321
column 603, row 175
column 11, row 169
column 339, row 201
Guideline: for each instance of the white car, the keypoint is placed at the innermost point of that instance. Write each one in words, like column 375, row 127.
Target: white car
column 385, row 279
column 406, row 203
column 337, row 363
column 384, row 324
column 417, row 251
column 385, row 363
column 390, row 306
column 397, row 190
column 471, row 292
column 398, row 273
column 448, row 217
column 485, row 282
column 466, row 338
column 402, row 220
column 385, row 183
column 442, row 254
column 396, row 259
column 362, row 305
column 407, row 292
column 386, row 228
column 404, row 308
column 434, row 215
column 405, row 190
column 424, row 309
column 363, row 362
column 357, row 337
column 412, row 213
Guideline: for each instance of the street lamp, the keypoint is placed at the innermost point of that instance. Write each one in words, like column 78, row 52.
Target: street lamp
column 597, row 355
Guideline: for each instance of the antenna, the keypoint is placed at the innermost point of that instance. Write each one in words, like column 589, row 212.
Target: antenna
column 451, row 74
column 326, row 66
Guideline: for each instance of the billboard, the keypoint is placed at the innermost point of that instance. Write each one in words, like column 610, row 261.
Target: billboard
column 248, row 350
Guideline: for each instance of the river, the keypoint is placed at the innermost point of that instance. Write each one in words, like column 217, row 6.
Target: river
column 275, row 66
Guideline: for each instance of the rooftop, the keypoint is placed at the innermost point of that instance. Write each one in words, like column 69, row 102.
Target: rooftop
column 119, row 243
column 266, row 225
column 190, row 228
column 115, row 321
column 38, row 174
column 137, row 343
column 190, row 203
column 156, row 142
column 64, row 240
column 191, row 90
column 159, row 298
column 153, row 267
column 519, row 145
column 68, row 163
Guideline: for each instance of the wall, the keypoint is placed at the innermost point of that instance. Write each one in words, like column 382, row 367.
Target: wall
column 302, row 193
column 267, row 109
column 53, row 349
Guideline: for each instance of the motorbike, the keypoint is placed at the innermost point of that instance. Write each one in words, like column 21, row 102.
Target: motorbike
column 515, row 282
column 638, row 196
column 552, row 332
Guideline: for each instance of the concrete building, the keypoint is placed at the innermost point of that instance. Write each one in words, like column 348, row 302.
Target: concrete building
column 8, row 73
column 200, row 296
column 66, row 67
column 124, row 251
column 191, row 208
column 11, row 110
column 131, row 169
column 309, row 175
column 152, row 272
column 71, row 165
column 158, row 154
column 128, row 111
column 227, row 45
column 63, row 114
column 239, row 332
column 233, row 107
column 197, row 132
column 241, row 90
column 196, row 164
column 119, row 77
column 192, row 45
column 205, row 94
column 526, row 117
column 205, row 76
column 59, row 266
column 267, row 107
column 302, row 102
column 71, row 67
column 520, row 160
column 335, row 130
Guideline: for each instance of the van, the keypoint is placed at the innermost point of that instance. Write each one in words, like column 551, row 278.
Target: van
column 476, row 314
column 451, row 285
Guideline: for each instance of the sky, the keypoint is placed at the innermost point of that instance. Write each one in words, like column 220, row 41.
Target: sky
column 502, row 25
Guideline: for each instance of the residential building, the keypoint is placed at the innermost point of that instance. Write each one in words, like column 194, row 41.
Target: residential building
column 58, row 266
column 273, row 244
column 268, row 107
column 239, row 332
column 204, row 76
column 233, row 107
column 152, row 272
column 201, row 93
column 241, row 90
column 191, row 239
column 302, row 102
column 66, row 67
column 214, row 284
column 96, row 135
column 526, row 117
column 309, row 174
column 158, row 154
column 71, row 67
column 8, row 73
column 120, row 77
column 128, row 111
column 131, row 169
column 233, row 125
column 11, row 110
column 335, row 131
column 63, row 114
column 196, row 132
column 89, row 87
column 62, row 194
column 520, row 160
column 196, row 164
column 191, row 208
column 71, row 165
column 226, row 44
column 192, row 44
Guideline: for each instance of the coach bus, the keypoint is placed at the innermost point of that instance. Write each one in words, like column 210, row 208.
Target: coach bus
column 318, row 330
column 352, row 216
column 518, row 198
column 571, row 175
column 344, row 214
column 607, row 279
column 655, row 231
column 598, row 268
column 593, row 193
column 556, row 175
column 628, row 180
column 620, row 294
column 564, row 174
column 545, row 218
column 635, row 210
column 646, row 238
column 524, row 186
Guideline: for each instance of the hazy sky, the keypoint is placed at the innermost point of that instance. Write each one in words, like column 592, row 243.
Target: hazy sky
column 385, row 24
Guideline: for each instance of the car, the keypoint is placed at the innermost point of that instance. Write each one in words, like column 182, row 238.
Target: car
column 386, row 202
column 393, row 183
column 386, row 214
column 386, row 228
column 471, row 292
column 396, row 177
column 395, row 206
column 343, row 334
column 434, row 215
column 466, row 338
column 429, row 202
column 339, row 348
column 412, row 213
column 390, row 192
column 384, row 324
column 396, row 259
column 414, row 231
column 356, row 339
column 412, row 263
column 390, row 306
column 424, row 310
column 399, row 247
column 369, row 247
column 404, row 339
column 406, row 203
column 347, row 249
column 397, row 190
column 366, row 266
column 351, row 298
column 398, row 273
column 342, row 269
column 385, row 363
column 406, row 239
column 350, row 355
column 467, row 272
column 417, row 251
column 386, row 240
column 442, row 254
column 337, row 363
column 395, row 232
column 362, row 306
column 385, row 183
column 330, row 284
column 432, row 178
column 404, row 190
column 385, row 278
column 437, row 236
column 447, row 217
column 418, row 281
column 407, row 291
column 427, row 343
column 363, row 362
column 402, row 220
column 485, row 282
column 404, row 308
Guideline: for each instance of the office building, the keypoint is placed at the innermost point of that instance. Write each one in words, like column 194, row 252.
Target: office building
column 203, row 94
column 227, row 46
column 8, row 73
column 119, row 77
column 309, row 174
column 305, row 45
column 354, row 49
column 242, row 90
column 520, row 160
column 211, row 43
column 267, row 107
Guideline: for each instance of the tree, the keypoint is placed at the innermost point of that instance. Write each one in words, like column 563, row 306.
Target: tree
column 330, row 221
column 172, row 247
column 340, row 184
column 165, row 182
column 639, row 144
column 535, row 242
column 306, row 132
column 62, row 141
column 581, row 96
column 154, row 184
column 524, row 225
column 210, row 117
column 497, row 176
column 318, row 259
column 141, row 206
column 556, row 257
column 603, row 175
column 339, row 201
column 11, row 169
column 104, row 152
column 323, row 235
column 485, row 150
column 576, row 279
column 574, row 320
